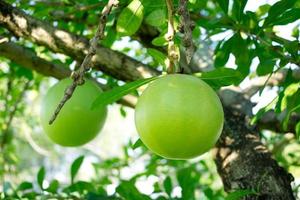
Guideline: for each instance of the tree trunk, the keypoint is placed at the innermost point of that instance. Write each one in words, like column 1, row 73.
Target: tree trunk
column 243, row 162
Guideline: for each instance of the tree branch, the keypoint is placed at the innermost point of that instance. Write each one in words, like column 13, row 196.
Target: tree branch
column 109, row 61
column 243, row 162
column 28, row 59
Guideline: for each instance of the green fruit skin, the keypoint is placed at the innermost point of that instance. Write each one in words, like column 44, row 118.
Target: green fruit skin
column 77, row 123
column 179, row 117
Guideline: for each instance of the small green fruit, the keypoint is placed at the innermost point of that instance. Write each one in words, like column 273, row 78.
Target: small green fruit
column 179, row 117
column 76, row 124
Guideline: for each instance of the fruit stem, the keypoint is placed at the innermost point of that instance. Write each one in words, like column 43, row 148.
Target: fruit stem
column 78, row 75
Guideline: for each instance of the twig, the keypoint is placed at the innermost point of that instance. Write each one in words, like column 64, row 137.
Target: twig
column 186, row 26
column 78, row 75
column 172, row 52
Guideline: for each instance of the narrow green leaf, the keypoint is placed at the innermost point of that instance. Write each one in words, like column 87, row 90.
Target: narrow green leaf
column 118, row 92
column 53, row 186
column 127, row 190
column 137, row 144
column 290, row 91
column 238, row 9
column 286, row 119
column 265, row 67
column 277, row 9
column 168, row 185
column 224, row 5
column 263, row 110
column 160, row 57
column 159, row 41
column 221, row 77
column 25, row 186
column 123, row 111
column 222, row 53
column 263, row 9
column 188, row 180
column 130, row 18
column 239, row 48
column 297, row 128
column 80, row 187
column 156, row 17
column 238, row 194
column 75, row 167
column 287, row 17
column 41, row 177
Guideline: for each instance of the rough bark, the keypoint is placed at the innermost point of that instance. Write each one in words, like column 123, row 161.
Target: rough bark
column 243, row 162
column 109, row 61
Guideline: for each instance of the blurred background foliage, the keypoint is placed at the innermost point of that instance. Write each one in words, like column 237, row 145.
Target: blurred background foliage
column 231, row 42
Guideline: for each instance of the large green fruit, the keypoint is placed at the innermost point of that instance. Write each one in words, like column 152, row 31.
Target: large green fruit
column 76, row 123
column 179, row 117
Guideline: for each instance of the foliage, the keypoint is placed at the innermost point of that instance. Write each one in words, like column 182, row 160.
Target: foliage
column 173, row 173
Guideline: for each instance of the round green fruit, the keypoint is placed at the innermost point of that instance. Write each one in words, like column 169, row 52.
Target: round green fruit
column 76, row 124
column 179, row 117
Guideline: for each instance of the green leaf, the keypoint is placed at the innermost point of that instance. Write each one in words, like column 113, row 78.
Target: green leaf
column 286, row 119
column 222, row 53
column 127, row 190
column 297, row 128
column 265, row 67
column 22, row 72
column 224, row 5
column 277, row 9
column 263, row 110
column 221, row 77
column 238, row 194
column 289, row 92
column 239, row 48
column 158, row 56
column 188, row 180
column 130, row 18
column 168, row 185
column 53, row 186
column 81, row 187
column 123, row 111
column 75, row 167
column 287, row 17
column 263, row 9
column 159, row 41
column 25, row 186
column 110, row 38
column 156, row 17
column 292, row 47
column 118, row 92
column 41, row 177
column 137, row 144
column 238, row 9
